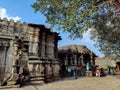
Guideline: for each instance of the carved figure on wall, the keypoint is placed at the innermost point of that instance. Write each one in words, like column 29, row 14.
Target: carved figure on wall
column 49, row 69
column 57, row 69
column 42, row 68
column 33, row 68
column 37, row 69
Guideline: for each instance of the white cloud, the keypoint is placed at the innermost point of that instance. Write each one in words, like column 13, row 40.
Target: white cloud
column 86, row 37
column 3, row 14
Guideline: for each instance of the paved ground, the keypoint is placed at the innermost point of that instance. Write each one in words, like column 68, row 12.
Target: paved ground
column 86, row 83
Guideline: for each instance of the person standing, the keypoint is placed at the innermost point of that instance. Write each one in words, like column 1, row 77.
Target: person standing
column 69, row 71
column 75, row 73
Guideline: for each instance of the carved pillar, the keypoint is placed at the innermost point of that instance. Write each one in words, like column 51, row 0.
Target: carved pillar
column 92, row 58
column 36, row 41
column 75, row 59
column 82, row 59
column 56, row 48
column 71, row 61
column 65, row 60
column 31, row 40
column 42, row 50
column 49, row 46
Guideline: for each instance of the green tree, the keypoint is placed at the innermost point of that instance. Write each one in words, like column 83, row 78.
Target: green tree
column 77, row 16
column 106, row 33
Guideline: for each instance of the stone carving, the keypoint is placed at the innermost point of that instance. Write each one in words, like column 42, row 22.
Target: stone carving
column 37, row 69
column 24, row 30
column 48, row 69
column 50, row 46
column 42, row 51
column 4, row 25
column 57, row 69
column 34, row 39
column 17, row 28
column 29, row 40
column 11, row 26
column 36, row 35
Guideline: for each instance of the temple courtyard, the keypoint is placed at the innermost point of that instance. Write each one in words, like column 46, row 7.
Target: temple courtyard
column 82, row 83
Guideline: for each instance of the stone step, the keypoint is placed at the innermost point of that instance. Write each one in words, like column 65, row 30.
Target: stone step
column 9, row 86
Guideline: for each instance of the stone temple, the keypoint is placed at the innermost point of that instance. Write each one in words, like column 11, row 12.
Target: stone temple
column 30, row 52
column 76, row 57
column 27, row 50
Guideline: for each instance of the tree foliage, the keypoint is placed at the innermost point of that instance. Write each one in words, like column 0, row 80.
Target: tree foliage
column 77, row 16
column 107, row 33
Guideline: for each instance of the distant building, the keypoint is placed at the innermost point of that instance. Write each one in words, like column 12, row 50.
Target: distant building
column 75, row 57
column 105, row 62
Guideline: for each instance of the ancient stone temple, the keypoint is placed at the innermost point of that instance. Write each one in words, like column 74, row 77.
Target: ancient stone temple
column 27, row 50
column 76, row 57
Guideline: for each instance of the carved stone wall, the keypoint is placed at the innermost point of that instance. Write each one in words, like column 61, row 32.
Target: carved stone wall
column 31, row 45
column 50, row 46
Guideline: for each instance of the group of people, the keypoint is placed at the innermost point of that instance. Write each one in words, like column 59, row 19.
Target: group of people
column 100, row 71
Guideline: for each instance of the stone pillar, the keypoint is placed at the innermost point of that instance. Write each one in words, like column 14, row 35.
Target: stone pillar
column 42, row 50
column 75, row 59
column 71, row 61
column 31, row 40
column 49, row 46
column 82, row 59
column 36, row 41
column 66, row 60
column 56, row 48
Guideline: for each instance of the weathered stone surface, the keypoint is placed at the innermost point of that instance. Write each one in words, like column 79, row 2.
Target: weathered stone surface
column 26, row 49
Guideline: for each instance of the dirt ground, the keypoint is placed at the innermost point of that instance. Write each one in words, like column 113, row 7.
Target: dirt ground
column 82, row 83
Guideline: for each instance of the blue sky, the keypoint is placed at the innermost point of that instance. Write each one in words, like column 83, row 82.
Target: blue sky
column 22, row 10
